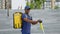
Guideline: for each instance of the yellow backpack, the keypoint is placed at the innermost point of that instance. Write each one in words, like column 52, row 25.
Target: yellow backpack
column 17, row 20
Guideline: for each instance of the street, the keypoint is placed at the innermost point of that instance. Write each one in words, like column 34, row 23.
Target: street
column 50, row 18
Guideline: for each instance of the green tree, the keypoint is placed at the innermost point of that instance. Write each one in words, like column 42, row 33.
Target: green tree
column 36, row 4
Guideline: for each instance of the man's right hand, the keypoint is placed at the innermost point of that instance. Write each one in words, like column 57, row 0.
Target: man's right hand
column 35, row 22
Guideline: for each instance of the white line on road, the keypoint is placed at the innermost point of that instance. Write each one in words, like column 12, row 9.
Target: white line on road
column 10, row 29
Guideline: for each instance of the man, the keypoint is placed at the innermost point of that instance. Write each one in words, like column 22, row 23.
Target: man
column 27, row 21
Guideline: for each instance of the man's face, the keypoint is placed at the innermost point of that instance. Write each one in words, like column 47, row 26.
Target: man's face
column 27, row 11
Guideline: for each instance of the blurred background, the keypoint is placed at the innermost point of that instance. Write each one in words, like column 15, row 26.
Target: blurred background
column 34, row 4
column 46, row 10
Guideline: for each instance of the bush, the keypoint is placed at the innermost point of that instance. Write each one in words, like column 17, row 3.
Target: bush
column 56, row 7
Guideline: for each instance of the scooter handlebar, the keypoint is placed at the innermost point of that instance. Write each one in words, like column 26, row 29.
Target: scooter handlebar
column 40, row 21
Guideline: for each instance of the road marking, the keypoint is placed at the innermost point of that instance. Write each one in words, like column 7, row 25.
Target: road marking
column 9, row 29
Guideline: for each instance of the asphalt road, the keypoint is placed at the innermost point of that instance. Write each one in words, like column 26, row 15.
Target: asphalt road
column 50, row 18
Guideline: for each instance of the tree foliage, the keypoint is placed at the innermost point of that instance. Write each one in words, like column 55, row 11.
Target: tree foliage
column 36, row 4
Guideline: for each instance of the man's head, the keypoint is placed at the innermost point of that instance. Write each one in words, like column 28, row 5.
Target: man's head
column 27, row 9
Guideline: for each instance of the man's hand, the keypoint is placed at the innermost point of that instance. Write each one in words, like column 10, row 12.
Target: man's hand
column 32, row 22
column 35, row 22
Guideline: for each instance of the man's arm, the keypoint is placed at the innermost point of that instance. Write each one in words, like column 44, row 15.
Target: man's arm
column 24, row 17
column 30, row 21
